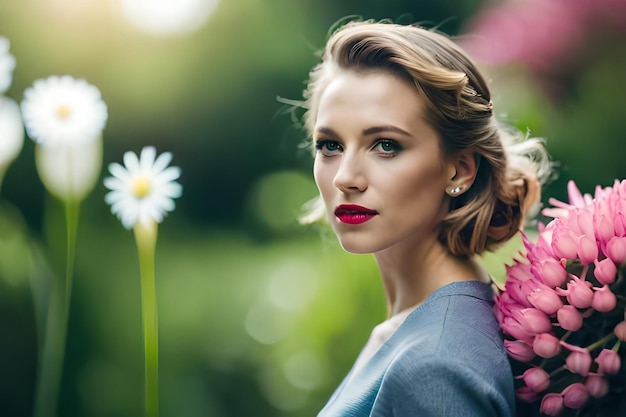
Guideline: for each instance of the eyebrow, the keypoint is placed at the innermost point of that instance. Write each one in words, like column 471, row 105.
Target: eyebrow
column 385, row 128
column 369, row 131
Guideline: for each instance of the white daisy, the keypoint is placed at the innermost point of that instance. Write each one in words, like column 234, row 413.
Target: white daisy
column 144, row 188
column 70, row 172
column 7, row 65
column 12, row 136
column 61, row 110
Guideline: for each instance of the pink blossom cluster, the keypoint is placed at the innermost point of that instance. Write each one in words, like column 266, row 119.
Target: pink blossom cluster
column 562, row 309
column 540, row 33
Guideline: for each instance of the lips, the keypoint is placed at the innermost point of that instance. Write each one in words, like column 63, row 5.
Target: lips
column 354, row 214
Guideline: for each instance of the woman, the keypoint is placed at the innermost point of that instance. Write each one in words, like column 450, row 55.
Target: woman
column 412, row 167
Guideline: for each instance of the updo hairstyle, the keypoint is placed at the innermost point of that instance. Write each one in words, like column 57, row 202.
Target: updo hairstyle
column 458, row 105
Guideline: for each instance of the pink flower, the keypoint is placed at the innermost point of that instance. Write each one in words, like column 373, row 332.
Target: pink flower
column 584, row 223
column 545, row 299
column 535, row 321
column 619, row 224
column 616, row 250
column 569, row 318
column 608, row 362
column 552, row 404
column 526, row 394
column 604, row 228
column 587, row 249
column 575, row 395
column 605, row 271
column 536, row 379
column 520, row 282
column 576, row 198
column 597, row 385
column 503, row 305
column 519, row 350
column 564, row 287
column 603, row 299
column 546, row 345
column 550, row 272
column 564, row 243
column 620, row 331
column 578, row 292
column 579, row 360
column 513, row 327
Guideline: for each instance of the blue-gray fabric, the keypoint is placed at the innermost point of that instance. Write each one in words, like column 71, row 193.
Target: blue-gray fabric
column 446, row 359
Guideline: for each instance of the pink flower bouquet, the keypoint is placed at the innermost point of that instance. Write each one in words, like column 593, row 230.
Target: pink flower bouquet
column 562, row 309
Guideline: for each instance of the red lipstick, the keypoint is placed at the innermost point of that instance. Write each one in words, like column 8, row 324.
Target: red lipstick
column 354, row 214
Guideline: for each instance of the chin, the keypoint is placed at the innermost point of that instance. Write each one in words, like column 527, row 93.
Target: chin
column 357, row 246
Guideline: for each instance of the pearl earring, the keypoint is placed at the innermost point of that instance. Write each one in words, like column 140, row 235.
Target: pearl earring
column 456, row 190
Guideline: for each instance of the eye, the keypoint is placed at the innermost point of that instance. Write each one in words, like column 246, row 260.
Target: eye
column 387, row 147
column 328, row 147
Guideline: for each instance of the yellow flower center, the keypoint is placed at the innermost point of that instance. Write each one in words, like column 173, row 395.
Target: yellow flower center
column 141, row 186
column 64, row 111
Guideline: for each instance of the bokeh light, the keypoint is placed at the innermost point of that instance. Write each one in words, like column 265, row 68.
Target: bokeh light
column 168, row 17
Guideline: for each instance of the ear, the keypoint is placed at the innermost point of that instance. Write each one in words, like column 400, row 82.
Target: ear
column 463, row 170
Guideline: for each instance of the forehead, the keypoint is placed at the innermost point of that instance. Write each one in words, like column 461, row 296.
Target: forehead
column 372, row 96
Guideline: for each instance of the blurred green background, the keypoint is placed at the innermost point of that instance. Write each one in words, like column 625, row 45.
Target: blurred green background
column 258, row 316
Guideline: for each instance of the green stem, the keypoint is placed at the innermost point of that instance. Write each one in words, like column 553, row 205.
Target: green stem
column 600, row 342
column 145, row 237
column 52, row 355
column 617, row 345
column 71, row 220
column 557, row 371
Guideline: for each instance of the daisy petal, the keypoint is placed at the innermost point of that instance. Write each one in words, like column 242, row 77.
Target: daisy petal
column 144, row 188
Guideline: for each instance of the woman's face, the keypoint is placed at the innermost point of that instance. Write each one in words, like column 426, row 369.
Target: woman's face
column 378, row 165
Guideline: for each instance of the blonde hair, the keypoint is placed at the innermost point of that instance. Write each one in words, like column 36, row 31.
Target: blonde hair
column 458, row 105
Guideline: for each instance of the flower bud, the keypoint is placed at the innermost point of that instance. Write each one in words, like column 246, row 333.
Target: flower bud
column 584, row 221
column 564, row 243
column 579, row 361
column 569, row 318
column 578, row 293
column 575, row 395
column 545, row 299
column 603, row 299
column 526, row 394
column 605, row 271
column 519, row 350
column 619, row 223
column 552, row 404
column 597, row 385
column 514, row 328
column 537, row 379
column 604, row 228
column 587, row 249
column 535, row 321
column 69, row 171
column 608, row 362
column 620, row 331
column 616, row 250
column 546, row 345
column 550, row 272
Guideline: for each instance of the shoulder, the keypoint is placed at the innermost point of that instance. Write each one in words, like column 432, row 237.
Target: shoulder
column 442, row 385
column 456, row 317
column 451, row 362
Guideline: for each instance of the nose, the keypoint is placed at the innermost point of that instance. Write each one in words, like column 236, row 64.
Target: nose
column 350, row 176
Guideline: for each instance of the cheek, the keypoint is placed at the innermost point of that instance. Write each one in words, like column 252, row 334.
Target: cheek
column 323, row 177
column 425, row 187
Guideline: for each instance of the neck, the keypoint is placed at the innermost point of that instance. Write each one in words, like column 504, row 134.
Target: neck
column 410, row 275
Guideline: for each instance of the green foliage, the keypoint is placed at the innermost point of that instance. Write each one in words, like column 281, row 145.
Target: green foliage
column 258, row 315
